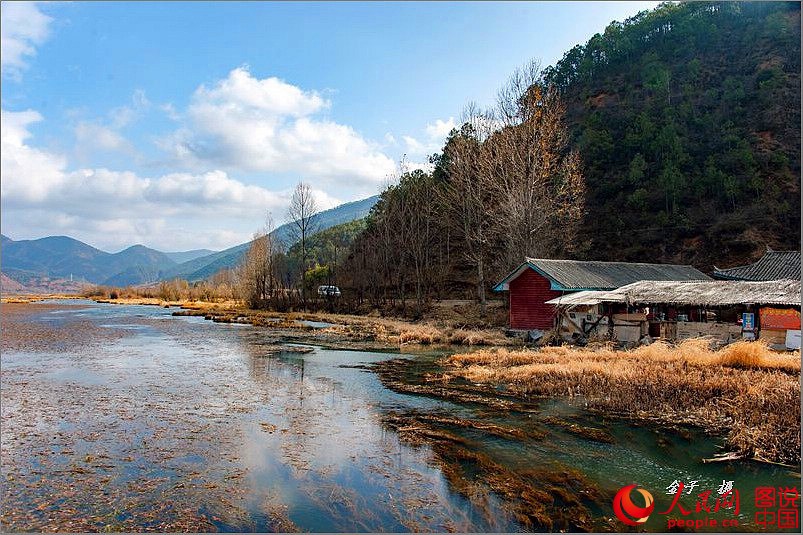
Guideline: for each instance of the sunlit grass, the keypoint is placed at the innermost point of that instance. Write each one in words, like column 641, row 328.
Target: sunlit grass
column 421, row 334
column 745, row 390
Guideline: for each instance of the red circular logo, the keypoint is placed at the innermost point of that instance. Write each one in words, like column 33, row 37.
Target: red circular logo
column 627, row 511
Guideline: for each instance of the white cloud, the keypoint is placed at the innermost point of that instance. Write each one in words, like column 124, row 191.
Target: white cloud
column 324, row 201
column 122, row 116
column 117, row 208
column 212, row 190
column 240, row 123
column 140, row 100
column 23, row 28
column 28, row 173
column 268, row 125
column 270, row 97
column 98, row 137
column 170, row 111
column 413, row 145
column 433, row 139
column 440, row 129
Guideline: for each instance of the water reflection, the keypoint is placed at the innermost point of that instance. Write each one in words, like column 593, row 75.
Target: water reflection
column 178, row 424
column 318, row 446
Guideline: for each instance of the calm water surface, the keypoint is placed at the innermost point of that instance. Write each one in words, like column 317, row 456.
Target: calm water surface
column 177, row 423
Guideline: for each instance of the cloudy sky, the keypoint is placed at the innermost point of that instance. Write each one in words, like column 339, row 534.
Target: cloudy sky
column 179, row 125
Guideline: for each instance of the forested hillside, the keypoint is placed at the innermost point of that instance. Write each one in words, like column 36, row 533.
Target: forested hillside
column 672, row 137
column 687, row 119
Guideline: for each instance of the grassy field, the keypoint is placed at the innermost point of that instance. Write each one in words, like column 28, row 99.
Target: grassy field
column 744, row 390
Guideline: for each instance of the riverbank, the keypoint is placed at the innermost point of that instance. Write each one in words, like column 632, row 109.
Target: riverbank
column 35, row 298
column 451, row 323
column 744, row 391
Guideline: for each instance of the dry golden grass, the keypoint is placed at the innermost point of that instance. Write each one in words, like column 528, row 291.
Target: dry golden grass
column 756, row 355
column 478, row 337
column 429, row 334
column 17, row 300
column 420, row 334
column 33, row 298
column 182, row 303
column 744, row 390
column 136, row 301
column 741, row 354
column 468, row 337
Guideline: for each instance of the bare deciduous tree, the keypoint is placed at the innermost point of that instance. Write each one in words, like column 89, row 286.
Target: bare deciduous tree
column 467, row 198
column 538, row 179
column 303, row 216
column 506, row 186
column 258, row 281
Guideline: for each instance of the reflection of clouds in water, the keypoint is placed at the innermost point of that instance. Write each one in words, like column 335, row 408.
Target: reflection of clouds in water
column 174, row 409
column 318, row 423
column 159, row 422
column 330, row 447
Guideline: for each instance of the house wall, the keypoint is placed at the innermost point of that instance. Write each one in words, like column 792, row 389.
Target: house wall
column 528, row 310
column 579, row 320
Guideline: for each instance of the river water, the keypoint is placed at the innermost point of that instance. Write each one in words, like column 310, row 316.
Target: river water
column 126, row 418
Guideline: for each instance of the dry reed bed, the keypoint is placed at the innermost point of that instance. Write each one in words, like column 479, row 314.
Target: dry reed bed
column 187, row 304
column 392, row 331
column 431, row 335
column 745, row 391
column 403, row 333
column 388, row 330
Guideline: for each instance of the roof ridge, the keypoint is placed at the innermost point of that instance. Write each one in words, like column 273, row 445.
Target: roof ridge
column 766, row 253
column 528, row 259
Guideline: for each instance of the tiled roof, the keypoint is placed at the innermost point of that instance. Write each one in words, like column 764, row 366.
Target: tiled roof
column 774, row 265
column 574, row 275
column 695, row 293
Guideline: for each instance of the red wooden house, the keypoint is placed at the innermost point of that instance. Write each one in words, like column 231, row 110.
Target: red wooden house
column 538, row 280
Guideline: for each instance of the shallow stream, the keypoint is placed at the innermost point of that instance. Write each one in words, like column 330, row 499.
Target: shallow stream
column 171, row 423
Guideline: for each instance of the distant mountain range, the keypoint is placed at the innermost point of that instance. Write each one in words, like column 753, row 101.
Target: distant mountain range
column 67, row 258
column 28, row 262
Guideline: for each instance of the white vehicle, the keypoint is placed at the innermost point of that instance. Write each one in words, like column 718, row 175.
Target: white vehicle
column 329, row 291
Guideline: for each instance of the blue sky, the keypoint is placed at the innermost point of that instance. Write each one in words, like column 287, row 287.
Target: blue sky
column 179, row 124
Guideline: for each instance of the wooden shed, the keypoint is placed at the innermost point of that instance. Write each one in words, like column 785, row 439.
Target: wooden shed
column 692, row 309
column 538, row 280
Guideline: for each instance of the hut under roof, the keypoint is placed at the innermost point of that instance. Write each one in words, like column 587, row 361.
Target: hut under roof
column 725, row 310
column 692, row 293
